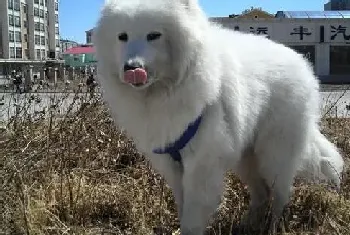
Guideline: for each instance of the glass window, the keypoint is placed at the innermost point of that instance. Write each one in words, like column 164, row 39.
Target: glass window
column 56, row 6
column 36, row 11
column 17, row 5
column 307, row 51
column 11, row 36
column 10, row 4
column 57, row 31
column 11, row 21
column 41, row 13
column 339, row 60
column 25, row 37
column 37, row 26
column 17, row 21
column 42, row 40
column 36, row 1
column 41, row 2
column 37, row 39
column 42, row 27
column 38, row 54
column 12, row 52
column 18, row 36
column 43, row 53
column 18, row 52
column 56, row 18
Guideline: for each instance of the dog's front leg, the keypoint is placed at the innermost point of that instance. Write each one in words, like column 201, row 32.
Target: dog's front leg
column 172, row 172
column 202, row 190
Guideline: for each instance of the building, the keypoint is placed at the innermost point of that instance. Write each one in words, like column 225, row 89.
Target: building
column 29, row 34
column 66, row 44
column 80, row 56
column 322, row 36
column 337, row 5
column 253, row 13
column 29, row 29
column 89, row 36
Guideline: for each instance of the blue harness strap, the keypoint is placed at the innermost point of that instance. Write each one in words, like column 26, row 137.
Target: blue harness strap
column 174, row 149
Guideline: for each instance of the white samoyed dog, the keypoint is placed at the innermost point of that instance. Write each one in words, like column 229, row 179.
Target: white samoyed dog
column 200, row 100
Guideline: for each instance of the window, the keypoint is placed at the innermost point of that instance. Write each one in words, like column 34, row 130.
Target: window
column 11, row 22
column 18, row 52
column 307, row 51
column 46, row 15
column 18, row 36
column 56, row 6
column 56, row 18
column 41, row 13
column 12, row 52
column 25, row 37
column 57, row 43
column 36, row 11
column 57, row 31
column 37, row 39
column 42, row 27
column 42, row 40
column 43, row 53
column 26, row 52
column 41, row 2
column 25, row 9
column 37, row 26
column 38, row 54
column 17, row 5
column 17, row 21
column 11, row 36
column 36, row 1
column 25, row 24
column 339, row 60
column 10, row 4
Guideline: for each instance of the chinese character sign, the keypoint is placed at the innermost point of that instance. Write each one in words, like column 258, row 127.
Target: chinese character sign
column 260, row 31
column 301, row 31
column 340, row 32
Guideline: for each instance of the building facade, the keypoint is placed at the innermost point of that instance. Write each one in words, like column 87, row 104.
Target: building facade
column 66, row 44
column 29, row 29
column 89, row 36
column 324, row 41
column 337, row 5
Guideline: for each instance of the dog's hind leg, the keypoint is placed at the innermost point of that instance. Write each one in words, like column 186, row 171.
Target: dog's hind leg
column 202, row 190
column 259, row 193
column 279, row 150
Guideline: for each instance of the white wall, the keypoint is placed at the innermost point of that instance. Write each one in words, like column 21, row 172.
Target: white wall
column 287, row 31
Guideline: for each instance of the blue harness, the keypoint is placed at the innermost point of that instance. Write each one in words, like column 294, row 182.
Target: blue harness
column 174, row 149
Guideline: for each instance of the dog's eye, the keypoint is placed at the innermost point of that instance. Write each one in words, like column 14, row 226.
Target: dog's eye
column 123, row 37
column 153, row 36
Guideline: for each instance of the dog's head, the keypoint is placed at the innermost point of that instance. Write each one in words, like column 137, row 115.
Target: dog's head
column 142, row 43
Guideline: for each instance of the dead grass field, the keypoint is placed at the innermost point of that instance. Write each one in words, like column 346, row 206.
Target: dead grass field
column 75, row 173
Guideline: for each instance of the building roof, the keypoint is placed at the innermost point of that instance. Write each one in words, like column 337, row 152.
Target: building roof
column 80, row 50
column 313, row 14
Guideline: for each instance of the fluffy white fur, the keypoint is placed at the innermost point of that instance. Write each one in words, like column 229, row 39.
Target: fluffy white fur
column 259, row 101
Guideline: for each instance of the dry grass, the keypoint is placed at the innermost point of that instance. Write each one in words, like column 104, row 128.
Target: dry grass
column 75, row 173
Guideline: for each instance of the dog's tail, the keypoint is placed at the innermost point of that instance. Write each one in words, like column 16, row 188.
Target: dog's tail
column 322, row 162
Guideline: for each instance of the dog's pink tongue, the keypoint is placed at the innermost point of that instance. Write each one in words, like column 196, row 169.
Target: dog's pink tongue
column 136, row 76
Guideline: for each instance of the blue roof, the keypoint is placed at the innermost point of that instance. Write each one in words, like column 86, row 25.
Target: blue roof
column 313, row 14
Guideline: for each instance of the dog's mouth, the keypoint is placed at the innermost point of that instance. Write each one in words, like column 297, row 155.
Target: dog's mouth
column 137, row 77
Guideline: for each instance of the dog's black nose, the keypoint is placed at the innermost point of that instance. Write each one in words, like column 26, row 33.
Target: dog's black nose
column 132, row 65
